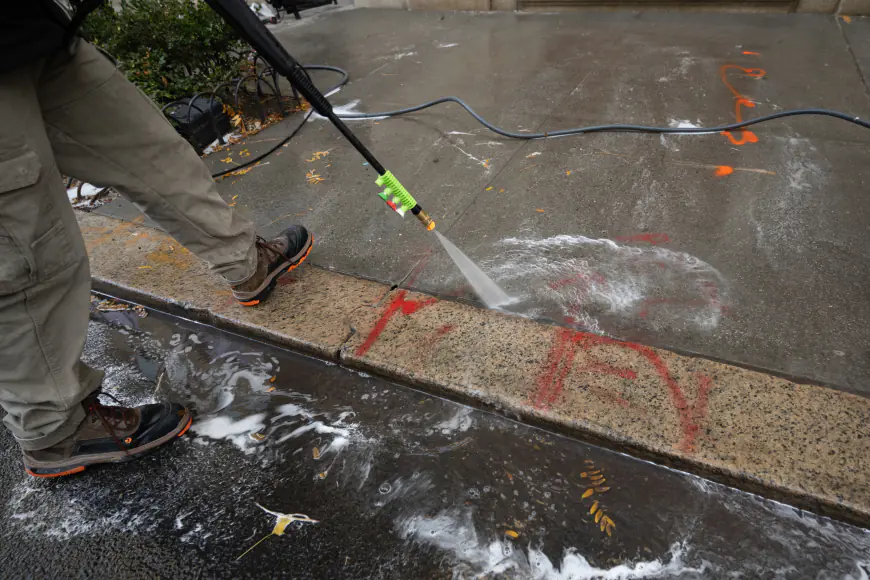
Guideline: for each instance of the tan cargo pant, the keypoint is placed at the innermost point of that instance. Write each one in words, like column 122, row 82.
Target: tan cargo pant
column 76, row 114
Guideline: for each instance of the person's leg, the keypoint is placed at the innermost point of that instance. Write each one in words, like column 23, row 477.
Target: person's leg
column 44, row 278
column 103, row 130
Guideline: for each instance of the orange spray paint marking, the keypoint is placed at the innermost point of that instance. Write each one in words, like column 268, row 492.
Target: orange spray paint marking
column 747, row 136
column 724, row 170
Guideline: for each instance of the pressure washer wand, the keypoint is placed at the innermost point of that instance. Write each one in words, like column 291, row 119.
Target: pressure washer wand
column 238, row 15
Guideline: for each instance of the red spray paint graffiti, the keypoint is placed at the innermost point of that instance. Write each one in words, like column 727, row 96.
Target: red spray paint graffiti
column 653, row 239
column 396, row 305
column 560, row 362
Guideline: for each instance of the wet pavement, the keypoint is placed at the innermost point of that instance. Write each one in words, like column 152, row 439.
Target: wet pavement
column 402, row 485
column 642, row 237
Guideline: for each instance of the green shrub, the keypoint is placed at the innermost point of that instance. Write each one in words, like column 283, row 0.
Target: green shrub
column 170, row 48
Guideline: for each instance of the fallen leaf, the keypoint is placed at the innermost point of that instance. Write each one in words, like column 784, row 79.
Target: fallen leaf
column 602, row 525
column 609, row 522
column 602, row 489
column 598, row 516
column 272, row 380
column 489, row 188
column 583, row 474
column 315, row 453
column 322, row 475
column 270, row 389
column 510, row 477
column 501, row 190
column 257, row 436
column 593, row 508
column 539, row 210
column 568, row 172
column 145, row 267
column 512, row 534
column 588, row 493
column 234, row 197
column 227, row 160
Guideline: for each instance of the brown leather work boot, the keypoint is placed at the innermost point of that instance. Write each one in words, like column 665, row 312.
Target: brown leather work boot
column 274, row 257
column 110, row 435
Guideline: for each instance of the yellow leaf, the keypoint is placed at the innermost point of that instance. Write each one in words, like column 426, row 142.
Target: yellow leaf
column 593, row 508
column 598, row 516
column 234, row 197
column 316, row 453
column 257, row 436
column 227, row 160
column 609, row 522
column 282, row 523
column 609, row 530
column 272, row 380
column 568, row 172
column 602, row 526
column 270, row 389
column 539, row 210
column 583, row 474
column 512, row 534
column 602, row 489
column 588, row 492
column 489, row 188
column 501, row 190
column 598, row 481
column 322, row 475
column 144, row 267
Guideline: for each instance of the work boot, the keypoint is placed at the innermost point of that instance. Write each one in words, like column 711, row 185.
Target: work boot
column 274, row 257
column 110, row 435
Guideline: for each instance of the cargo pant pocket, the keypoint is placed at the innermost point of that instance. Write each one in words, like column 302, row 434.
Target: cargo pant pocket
column 34, row 245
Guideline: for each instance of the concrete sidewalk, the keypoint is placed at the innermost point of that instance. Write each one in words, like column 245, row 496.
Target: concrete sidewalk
column 753, row 253
column 807, row 445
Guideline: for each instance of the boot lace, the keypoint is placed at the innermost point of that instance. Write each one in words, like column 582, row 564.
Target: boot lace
column 111, row 417
column 269, row 246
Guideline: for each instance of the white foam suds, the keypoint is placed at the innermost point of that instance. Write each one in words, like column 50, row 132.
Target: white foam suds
column 590, row 278
column 460, row 422
column 449, row 45
column 223, row 427
column 454, row 532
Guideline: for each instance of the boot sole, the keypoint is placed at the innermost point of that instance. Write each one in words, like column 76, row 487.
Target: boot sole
column 114, row 457
column 272, row 279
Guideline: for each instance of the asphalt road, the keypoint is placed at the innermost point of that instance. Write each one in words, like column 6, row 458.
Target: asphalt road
column 401, row 485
